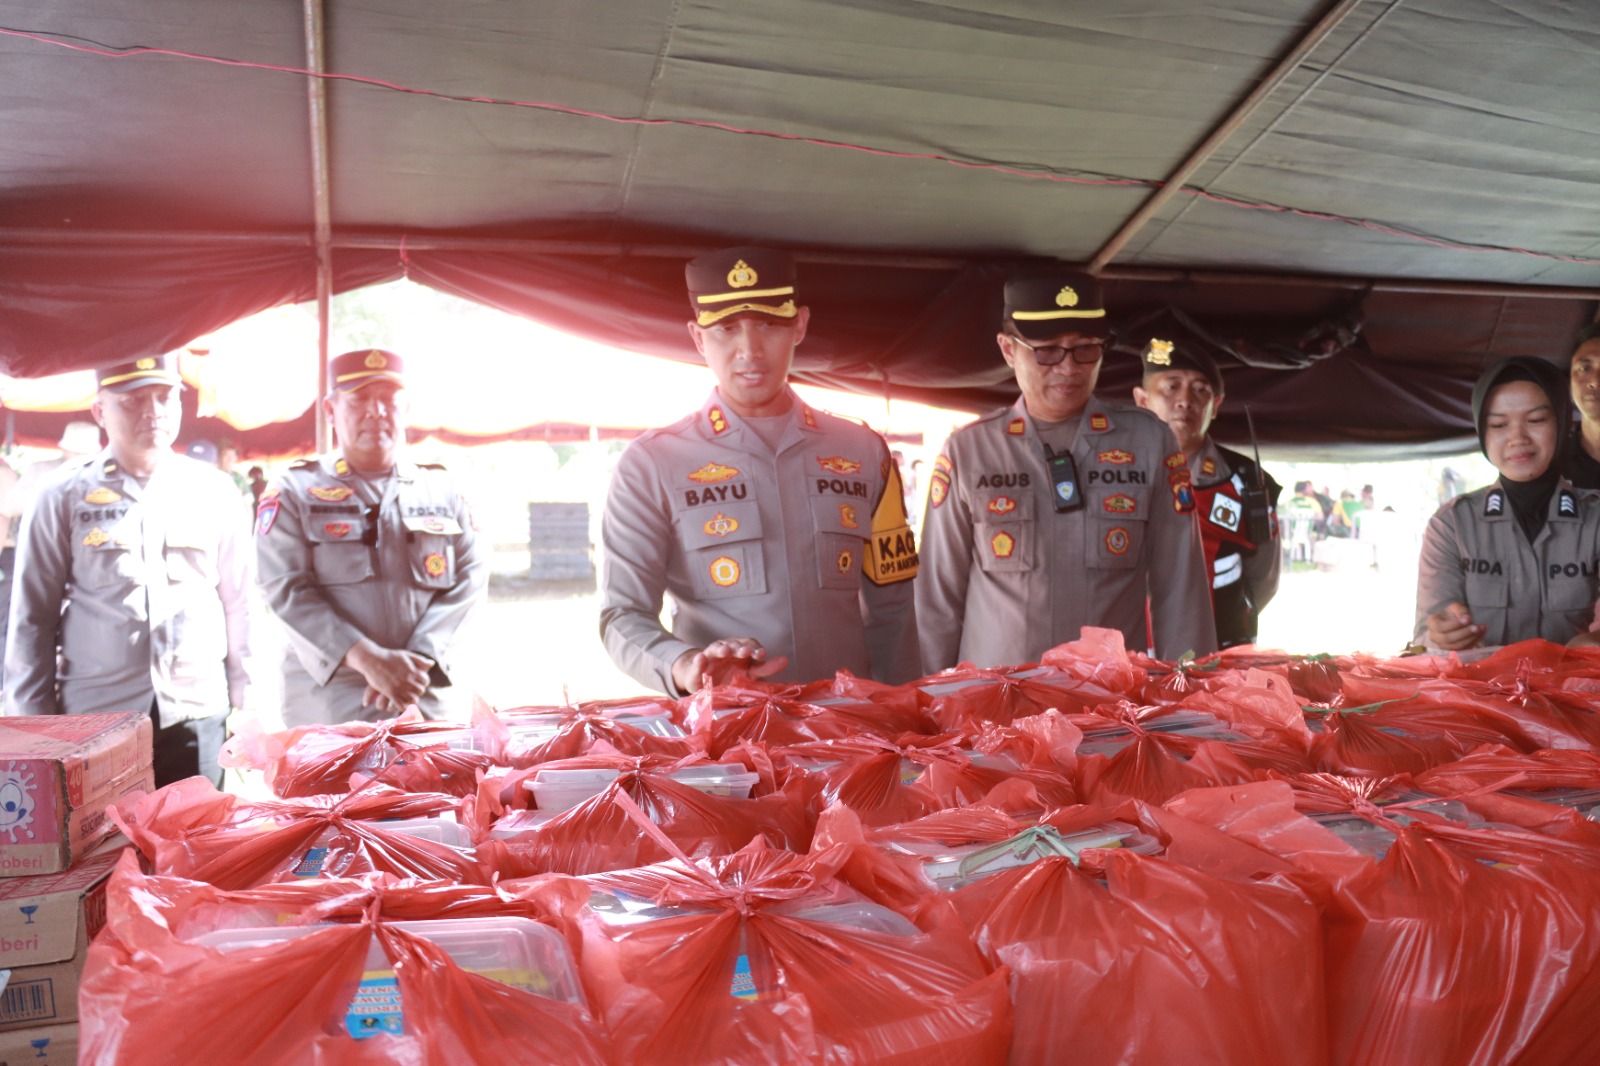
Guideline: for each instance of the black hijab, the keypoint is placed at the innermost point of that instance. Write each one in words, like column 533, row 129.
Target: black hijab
column 1530, row 500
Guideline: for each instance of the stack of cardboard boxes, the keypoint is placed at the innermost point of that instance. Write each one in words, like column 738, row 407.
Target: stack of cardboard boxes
column 58, row 774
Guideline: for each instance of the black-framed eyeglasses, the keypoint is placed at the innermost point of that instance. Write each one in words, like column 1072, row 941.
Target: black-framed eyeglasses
column 1084, row 353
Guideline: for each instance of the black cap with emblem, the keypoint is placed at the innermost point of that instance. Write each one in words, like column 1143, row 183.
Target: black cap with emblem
column 1041, row 306
column 150, row 370
column 354, row 370
column 1171, row 346
column 741, row 280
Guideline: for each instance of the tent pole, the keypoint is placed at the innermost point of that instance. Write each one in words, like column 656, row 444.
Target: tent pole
column 1226, row 128
column 317, row 99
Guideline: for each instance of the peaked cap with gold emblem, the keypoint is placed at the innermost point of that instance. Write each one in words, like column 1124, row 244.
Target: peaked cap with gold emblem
column 354, row 370
column 738, row 280
column 1169, row 345
column 150, row 370
column 1041, row 306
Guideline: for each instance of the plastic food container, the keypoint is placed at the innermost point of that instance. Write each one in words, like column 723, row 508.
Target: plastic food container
column 440, row 830
column 514, row 951
column 718, row 779
column 1586, row 801
column 515, row 823
column 952, row 867
column 454, row 739
column 557, row 790
column 856, row 915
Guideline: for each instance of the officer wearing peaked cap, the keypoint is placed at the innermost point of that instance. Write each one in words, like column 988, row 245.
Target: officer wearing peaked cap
column 370, row 562
column 1235, row 500
column 1521, row 558
column 1061, row 511
column 133, row 578
column 777, row 531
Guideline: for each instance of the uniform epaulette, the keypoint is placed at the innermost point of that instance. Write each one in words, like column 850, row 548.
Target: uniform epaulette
column 305, row 464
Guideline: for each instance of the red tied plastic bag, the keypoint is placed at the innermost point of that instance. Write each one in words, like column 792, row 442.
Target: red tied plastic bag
column 1100, row 657
column 722, row 716
column 183, row 831
column 528, row 736
column 764, row 957
column 968, row 697
column 1403, row 736
column 1152, row 765
column 1467, row 947
column 1130, row 958
column 150, row 998
column 1551, row 791
column 884, row 710
column 320, row 759
column 644, row 816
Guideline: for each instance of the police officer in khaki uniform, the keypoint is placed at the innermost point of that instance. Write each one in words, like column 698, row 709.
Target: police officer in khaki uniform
column 370, row 561
column 778, row 531
column 133, row 581
column 1061, row 511
column 1521, row 558
column 1235, row 500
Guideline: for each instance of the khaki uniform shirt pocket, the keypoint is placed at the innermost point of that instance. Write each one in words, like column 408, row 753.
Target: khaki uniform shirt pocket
column 339, row 552
column 432, row 550
column 839, row 558
column 1118, row 515
column 189, row 559
column 722, row 550
column 1005, row 530
column 105, row 556
column 1488, row 596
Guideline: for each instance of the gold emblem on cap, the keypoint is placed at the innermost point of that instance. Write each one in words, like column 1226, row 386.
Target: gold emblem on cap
column 375, row 360
column 1067, row 297
column 145, row 364
column 742, row 276
column 1160, row 353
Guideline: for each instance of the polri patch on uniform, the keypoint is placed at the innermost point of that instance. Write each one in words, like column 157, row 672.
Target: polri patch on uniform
column 1117, row 541
column 712, row 473
column 1116, row 457
column 719, row 422
column 1174, row 460
column 335, row 529
column 1016, row 427
column 95, row 537
column 1121, row 503
column 1003, row 544
column 1099, row 423
column 941, row 463
column 102, row 495
column 846, row 561
column 847, row 517
column 838, row 464
column 332, row 493
column 1183, row 498
column 266, row 514
column 938, row 487
column 724, row 571
column 1494, row 504
column 1208, row 466
column 1567, row 507
column 720, row 525
column 1002, row 505
column 433, row 563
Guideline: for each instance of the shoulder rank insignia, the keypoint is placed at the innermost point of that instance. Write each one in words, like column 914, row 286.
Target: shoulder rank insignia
column 1567, row 507
column 807, row 417
column 719, row 421
column 342, row 468
column 110, row 468
column 1494, row 504
column 838, row 464
column 712, row 473
column 102, row 495
column 331, row 493
column 1016, row 427
column 95, row 537
column 1208, row 467
column 1099, row 423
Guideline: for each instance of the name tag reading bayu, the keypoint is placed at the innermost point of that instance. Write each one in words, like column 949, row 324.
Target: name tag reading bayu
column 1065, row 494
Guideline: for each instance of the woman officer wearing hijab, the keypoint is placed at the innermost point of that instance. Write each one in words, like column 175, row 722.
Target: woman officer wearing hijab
column 1518, row 559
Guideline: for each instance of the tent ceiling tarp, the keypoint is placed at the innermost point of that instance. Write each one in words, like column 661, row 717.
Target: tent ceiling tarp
column 1422, row 168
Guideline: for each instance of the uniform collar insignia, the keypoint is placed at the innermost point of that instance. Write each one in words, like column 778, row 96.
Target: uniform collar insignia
column 717, row 420
column 109, row 469
column 807, row 417
column 1099, row 423
column 1016, row 427
column 1567, row 505
column 1494, row 504
column 341, row 468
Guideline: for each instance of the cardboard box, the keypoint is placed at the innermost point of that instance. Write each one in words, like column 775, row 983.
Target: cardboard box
column 44, row 1045
column 46, row 924
column 58, row 773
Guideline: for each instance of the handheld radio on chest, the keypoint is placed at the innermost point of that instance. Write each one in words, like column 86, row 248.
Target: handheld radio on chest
column 1257, row 508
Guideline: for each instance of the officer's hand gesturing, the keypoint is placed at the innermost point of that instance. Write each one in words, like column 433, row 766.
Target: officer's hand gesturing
column 395, row 678
column 1452, row 629
column 720, row 660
